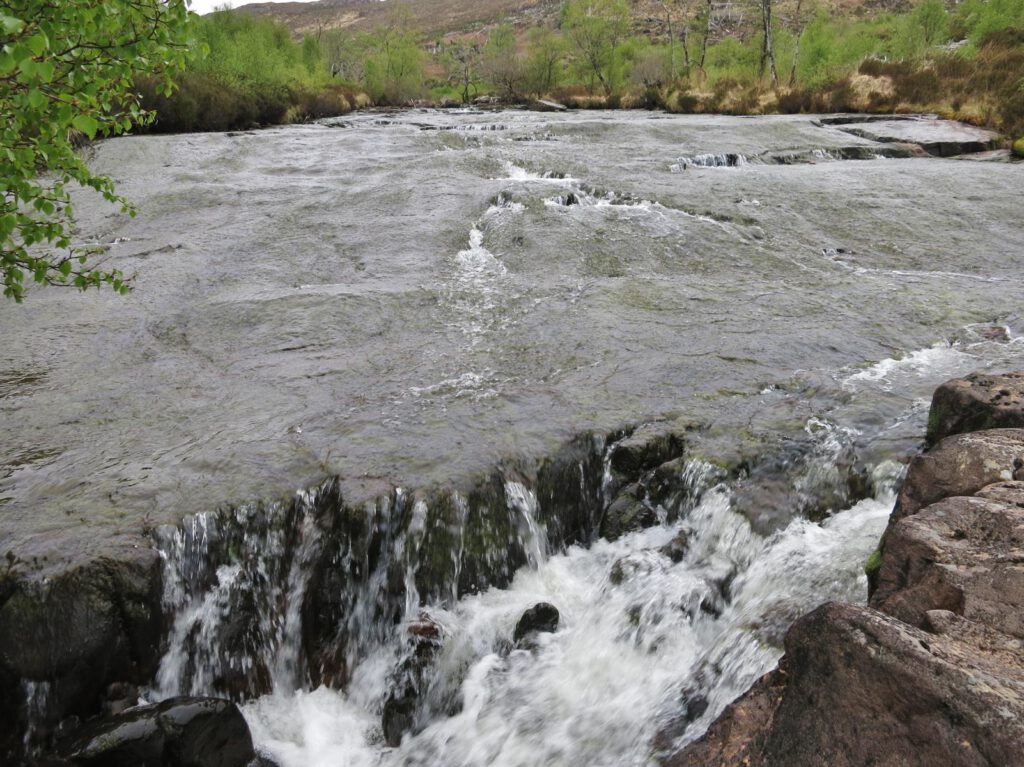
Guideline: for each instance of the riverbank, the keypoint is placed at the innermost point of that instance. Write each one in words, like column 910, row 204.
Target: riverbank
column 982, row 90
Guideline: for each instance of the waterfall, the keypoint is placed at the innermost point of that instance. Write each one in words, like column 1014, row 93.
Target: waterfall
column 406, row 605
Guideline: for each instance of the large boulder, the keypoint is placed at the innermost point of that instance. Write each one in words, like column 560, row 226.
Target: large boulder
column 975, row 402
column 961, row 465
column 934, row 674
column 71, row 637
column 858, row 687
column 180, row 732
column 895, row 695
column 961, row 555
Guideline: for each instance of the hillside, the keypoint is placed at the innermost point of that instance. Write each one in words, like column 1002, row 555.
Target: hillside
column 432, row 17
column 440, row 17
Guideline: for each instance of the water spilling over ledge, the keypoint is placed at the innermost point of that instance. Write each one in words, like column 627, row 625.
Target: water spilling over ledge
column 407, row 604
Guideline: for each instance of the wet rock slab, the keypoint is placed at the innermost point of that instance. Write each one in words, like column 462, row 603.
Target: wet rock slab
column 940, row 138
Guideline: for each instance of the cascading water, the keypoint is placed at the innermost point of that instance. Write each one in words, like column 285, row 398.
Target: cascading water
column 652, row 639
column 659, row 630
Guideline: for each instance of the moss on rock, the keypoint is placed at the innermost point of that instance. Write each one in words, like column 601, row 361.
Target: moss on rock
column 1018, row 147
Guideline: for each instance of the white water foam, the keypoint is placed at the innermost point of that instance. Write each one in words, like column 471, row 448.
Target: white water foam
column 637, row 632
column 938, row 362
column 477, row 287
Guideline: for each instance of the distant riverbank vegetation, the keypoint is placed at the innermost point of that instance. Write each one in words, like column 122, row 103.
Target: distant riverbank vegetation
column 247, row 72
column 691, row 56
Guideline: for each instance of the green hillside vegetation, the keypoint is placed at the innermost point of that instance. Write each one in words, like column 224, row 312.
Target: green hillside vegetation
column 689, row 56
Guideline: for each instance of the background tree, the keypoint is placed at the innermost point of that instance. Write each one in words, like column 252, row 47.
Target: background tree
column 767, row 43
column 500, row 62
column 544, row 59
column 392, row 60
column 461, row 59
column 596, row 29
column 66, row 69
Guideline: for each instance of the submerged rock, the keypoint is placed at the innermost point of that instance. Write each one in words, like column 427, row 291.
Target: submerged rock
column 180, row 732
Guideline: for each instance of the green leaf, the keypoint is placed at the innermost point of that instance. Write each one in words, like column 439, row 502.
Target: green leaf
column 86, row 125
column 37, row 44
column 10, row 24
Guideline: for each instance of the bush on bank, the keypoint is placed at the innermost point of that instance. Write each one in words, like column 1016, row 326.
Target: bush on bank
column 247, row 72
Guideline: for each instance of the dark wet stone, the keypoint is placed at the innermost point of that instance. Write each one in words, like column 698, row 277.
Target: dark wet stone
column 181, row 732
column 77, row 633
column 401, row 712
column 627, row 513
column 542, row 617
column 647, row 448
column 676, row 548
column 398, row 718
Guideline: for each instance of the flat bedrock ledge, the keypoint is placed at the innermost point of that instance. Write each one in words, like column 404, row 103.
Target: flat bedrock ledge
column 932, row 671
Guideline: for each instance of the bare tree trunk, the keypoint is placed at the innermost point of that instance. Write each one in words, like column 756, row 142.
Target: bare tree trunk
column 707, row 34
column 671, row 37
column 801, row 25
column 767, row 47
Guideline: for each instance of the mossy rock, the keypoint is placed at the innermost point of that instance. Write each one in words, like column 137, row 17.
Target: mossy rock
column 1018, row 148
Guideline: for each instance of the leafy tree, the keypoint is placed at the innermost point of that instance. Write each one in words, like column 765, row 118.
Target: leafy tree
column 461, row 59
column 500, row 63
column 393, row 63
column 543, row 64
column 67, row 70
column 597, row 28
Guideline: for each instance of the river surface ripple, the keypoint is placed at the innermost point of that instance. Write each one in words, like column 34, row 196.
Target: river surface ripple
column 410, row 297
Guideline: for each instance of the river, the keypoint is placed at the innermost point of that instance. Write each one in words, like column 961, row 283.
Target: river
column 410, row 299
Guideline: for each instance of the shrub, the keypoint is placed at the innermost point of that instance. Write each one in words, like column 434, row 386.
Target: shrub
column 795, row 101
